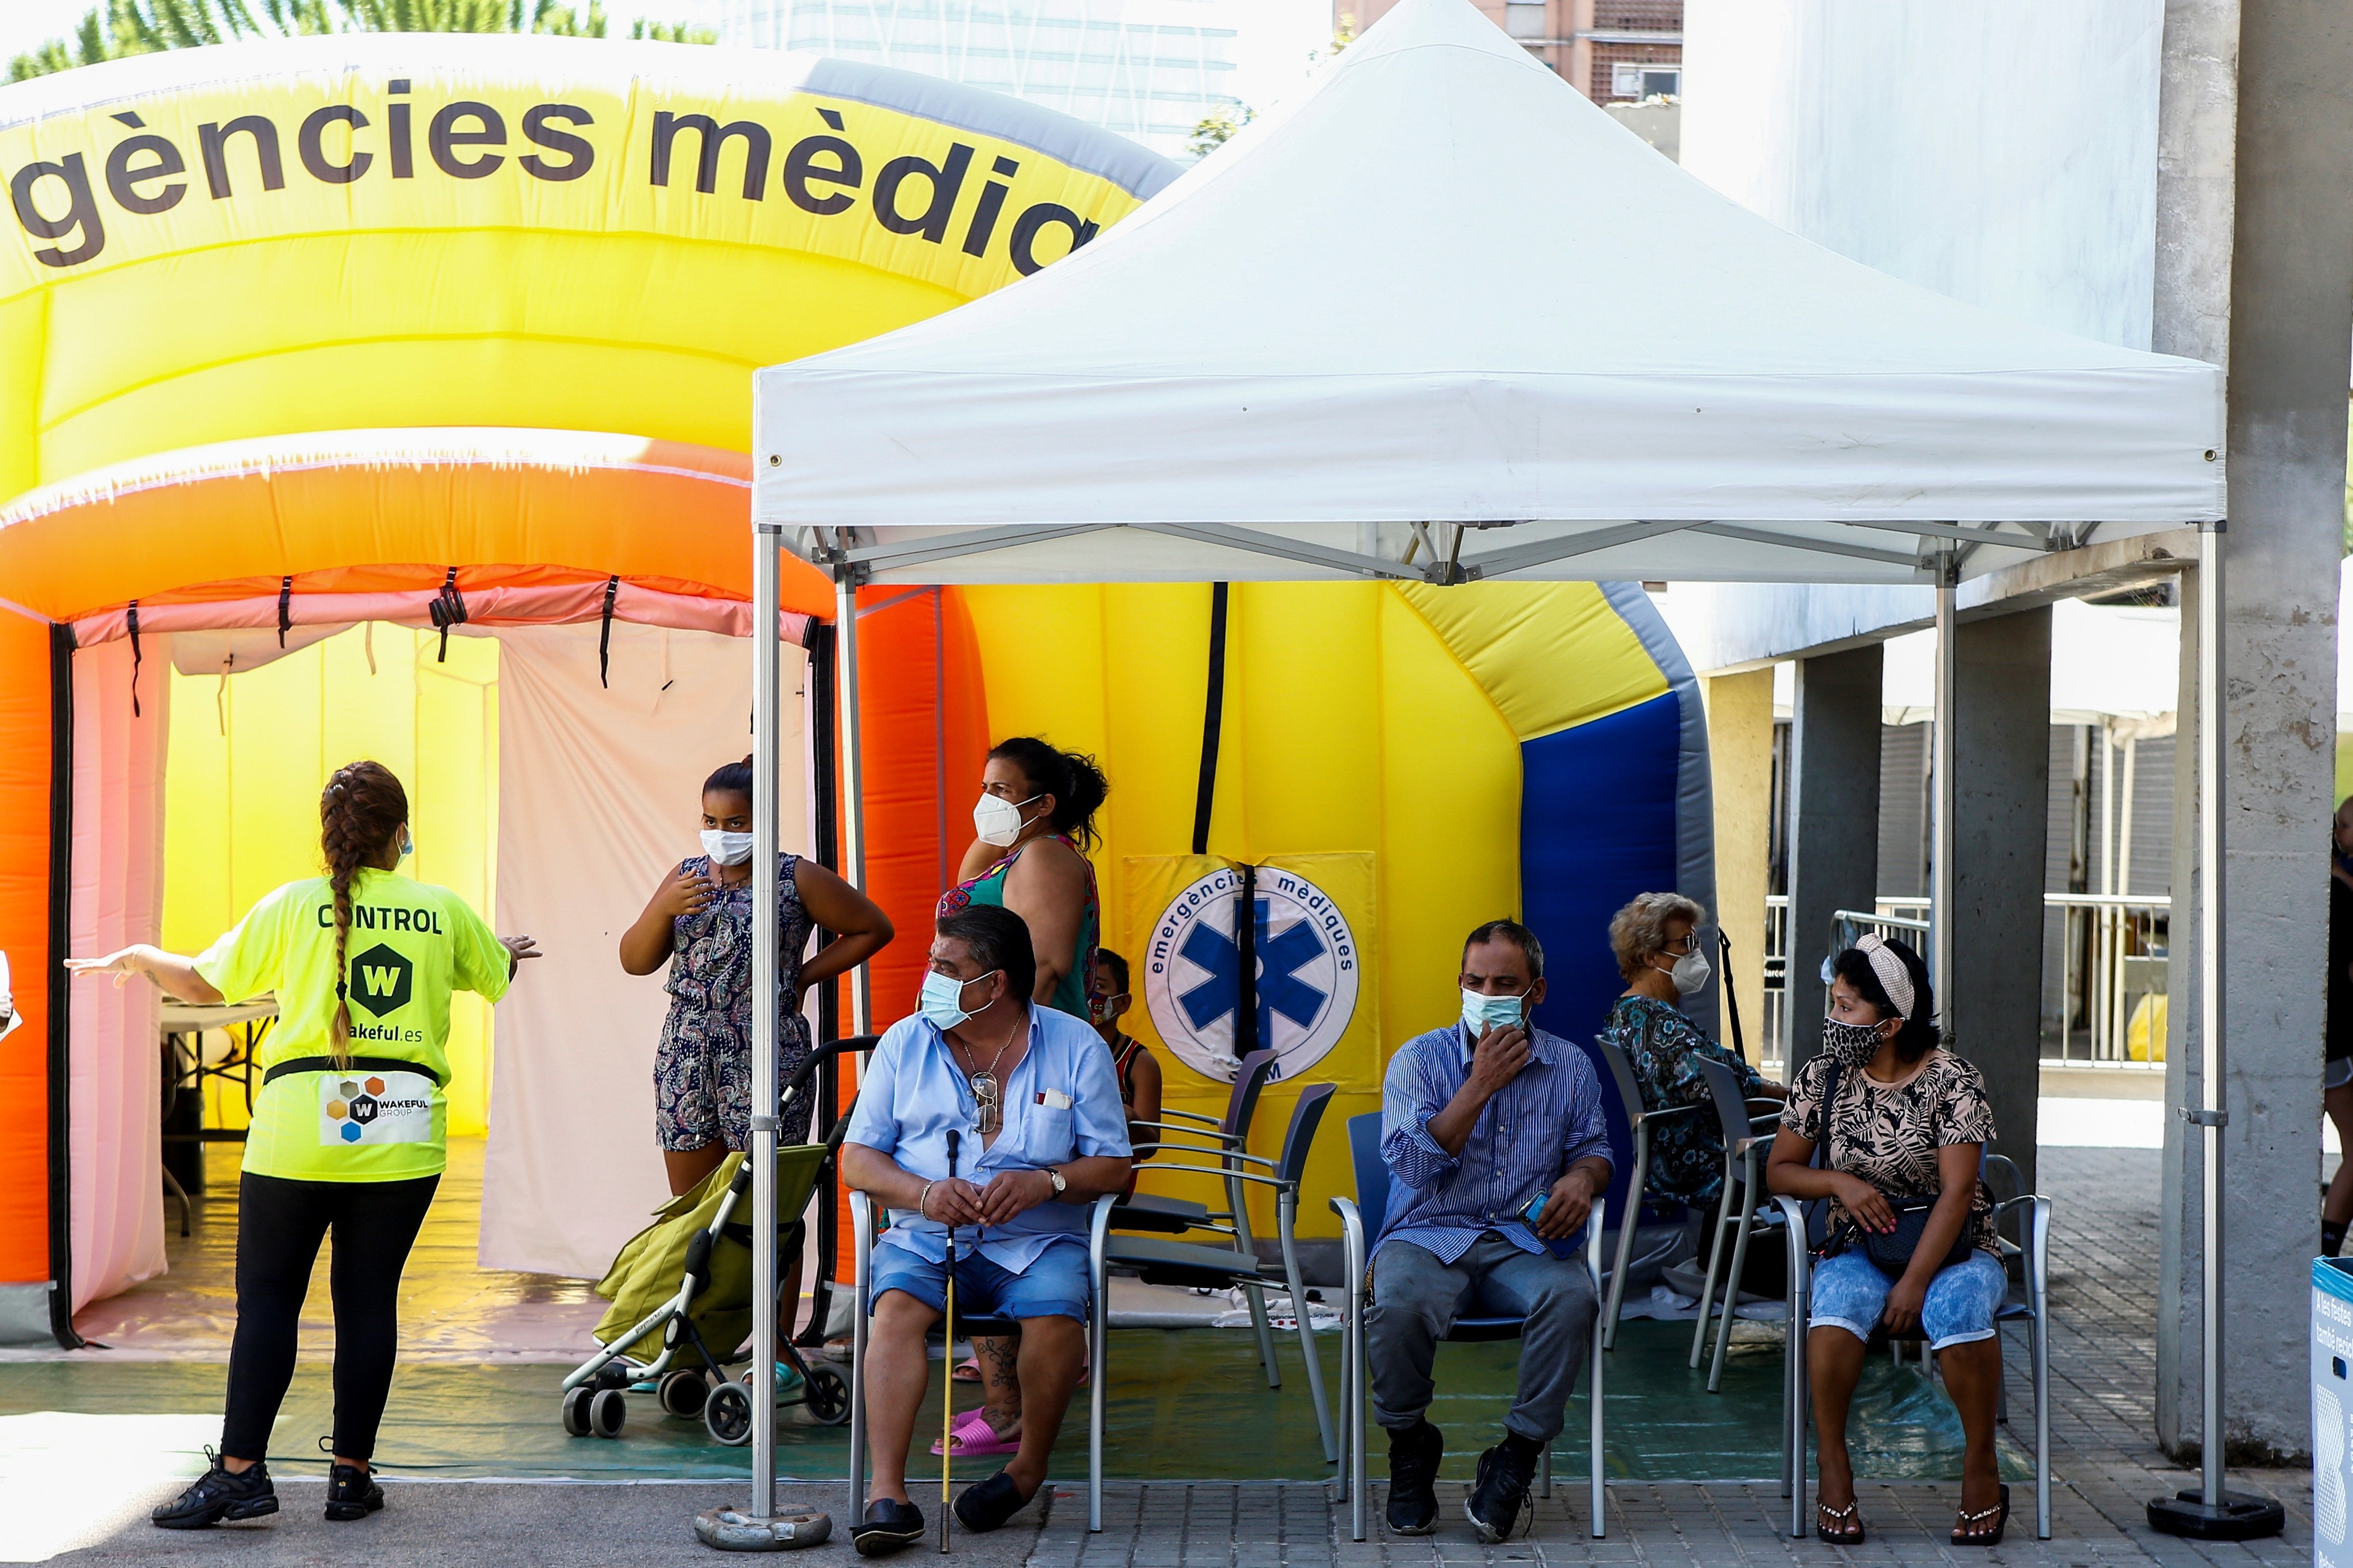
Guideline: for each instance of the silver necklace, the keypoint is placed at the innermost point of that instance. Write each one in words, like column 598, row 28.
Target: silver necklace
column 986, row 1093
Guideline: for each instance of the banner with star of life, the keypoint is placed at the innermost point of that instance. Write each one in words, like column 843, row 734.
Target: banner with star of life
column 1313, row 932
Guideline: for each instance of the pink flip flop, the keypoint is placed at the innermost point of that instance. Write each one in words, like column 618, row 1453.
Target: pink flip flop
column 975, row 1438
column 967, row 1370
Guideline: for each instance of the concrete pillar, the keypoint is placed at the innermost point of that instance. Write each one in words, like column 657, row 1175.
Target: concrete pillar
column 1834, row 821
column 2290, row 274
column 1740, row 762
column 2001, row 747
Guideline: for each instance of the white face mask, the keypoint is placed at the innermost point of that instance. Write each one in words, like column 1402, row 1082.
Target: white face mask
column 1481, row 1010
column 726, row 849
column 998, row 820
column 942, row 1000
column 1690, row 972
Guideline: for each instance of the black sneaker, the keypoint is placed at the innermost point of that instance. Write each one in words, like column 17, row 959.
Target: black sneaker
column 351, row 1492
column 888, row 1524
column 218, row 1495
column 1498, row 1503
column 1414, row 1454
column 986, row 1505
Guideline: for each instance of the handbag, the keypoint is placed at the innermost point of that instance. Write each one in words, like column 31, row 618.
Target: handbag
column 1891, row 1252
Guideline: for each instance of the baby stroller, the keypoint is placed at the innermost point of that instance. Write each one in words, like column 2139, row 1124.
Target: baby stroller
column 687, row 1278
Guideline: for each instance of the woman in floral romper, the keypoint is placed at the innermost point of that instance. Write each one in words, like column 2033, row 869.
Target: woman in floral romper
column 700, row 921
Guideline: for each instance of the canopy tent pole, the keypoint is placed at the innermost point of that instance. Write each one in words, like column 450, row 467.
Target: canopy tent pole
column 766, row 562
column 2209, row 1512
column 1940, row 767
column 853, row 777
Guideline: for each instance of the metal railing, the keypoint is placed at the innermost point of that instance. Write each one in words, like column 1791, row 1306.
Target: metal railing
column 2112, row 957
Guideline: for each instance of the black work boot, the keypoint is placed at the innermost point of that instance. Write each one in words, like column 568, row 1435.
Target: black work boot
column 219, row 1495
column 351, row 1492
column 1499, row 1497
column 1414, row 1453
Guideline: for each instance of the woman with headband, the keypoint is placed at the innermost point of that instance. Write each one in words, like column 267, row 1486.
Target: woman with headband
column 1889, row 1126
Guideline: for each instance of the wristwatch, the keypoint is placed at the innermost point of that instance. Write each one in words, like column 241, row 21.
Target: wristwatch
column 1055, row 1176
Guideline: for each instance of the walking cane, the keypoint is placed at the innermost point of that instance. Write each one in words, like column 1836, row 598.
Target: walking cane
column 947, row 1395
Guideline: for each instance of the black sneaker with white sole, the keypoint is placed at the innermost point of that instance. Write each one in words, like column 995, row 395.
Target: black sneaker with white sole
column 351, row 1492
column 1498, row 1503
column 219, row 1495
column 1414, row 1454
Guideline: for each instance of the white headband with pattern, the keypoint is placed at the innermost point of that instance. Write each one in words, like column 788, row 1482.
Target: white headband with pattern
column 1893, row 977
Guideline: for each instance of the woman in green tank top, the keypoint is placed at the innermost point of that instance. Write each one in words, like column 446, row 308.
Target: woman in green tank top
column 1035, row 821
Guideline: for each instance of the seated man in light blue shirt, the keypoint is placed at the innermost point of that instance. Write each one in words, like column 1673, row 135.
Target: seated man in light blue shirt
column 1478, row 1120
column 984, row 1125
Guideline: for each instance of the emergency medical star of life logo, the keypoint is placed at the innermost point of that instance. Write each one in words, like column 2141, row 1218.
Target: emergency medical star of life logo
column 1304, row 963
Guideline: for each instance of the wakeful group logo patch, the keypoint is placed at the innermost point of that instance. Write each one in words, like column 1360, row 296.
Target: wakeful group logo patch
column 383, row 1108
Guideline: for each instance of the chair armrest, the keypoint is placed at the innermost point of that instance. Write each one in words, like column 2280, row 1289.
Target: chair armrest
column 1793, row 1215
column 1593, row 1243
column 1098, row 1239
column 1211, row 1131
column 1219, row 1171
column 1765, row 1124
column 1193, row 1116
column 1640, row 1117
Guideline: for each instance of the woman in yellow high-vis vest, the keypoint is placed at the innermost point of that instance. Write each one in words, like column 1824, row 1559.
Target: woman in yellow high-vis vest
column 350, row 1131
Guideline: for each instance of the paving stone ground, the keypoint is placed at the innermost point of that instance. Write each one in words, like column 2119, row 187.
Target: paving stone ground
column 2105, row 1459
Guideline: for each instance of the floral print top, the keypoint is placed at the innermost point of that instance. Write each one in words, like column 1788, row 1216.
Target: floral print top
column 1665, row 1048
column 709, row 982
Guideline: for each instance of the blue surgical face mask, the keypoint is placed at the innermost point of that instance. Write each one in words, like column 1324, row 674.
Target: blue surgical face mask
column 1479, row 1011
column 943, row 999
column 407, row 844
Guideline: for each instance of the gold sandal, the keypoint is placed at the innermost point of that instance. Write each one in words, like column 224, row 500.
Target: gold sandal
column 1839, row 1526
column 1969, row 1525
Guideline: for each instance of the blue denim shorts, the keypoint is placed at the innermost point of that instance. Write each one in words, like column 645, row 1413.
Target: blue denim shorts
column 1054, row 1286
column 1849, row 1291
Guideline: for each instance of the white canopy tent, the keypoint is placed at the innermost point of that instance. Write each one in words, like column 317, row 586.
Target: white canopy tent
column 1443, row 319
column 1444, row 287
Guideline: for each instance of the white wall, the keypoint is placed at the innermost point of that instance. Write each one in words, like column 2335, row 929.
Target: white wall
column 2003, row 152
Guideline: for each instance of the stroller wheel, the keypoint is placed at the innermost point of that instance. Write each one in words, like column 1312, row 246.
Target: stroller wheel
column 606, row 1411
column 682, row 1392
column 727, row 1415
column 828, row 1395
column 576, row 1411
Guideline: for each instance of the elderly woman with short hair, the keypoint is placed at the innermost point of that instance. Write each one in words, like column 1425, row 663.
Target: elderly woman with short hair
column 1656, row 940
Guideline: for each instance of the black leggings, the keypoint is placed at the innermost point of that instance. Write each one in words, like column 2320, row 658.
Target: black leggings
column 279, row 1225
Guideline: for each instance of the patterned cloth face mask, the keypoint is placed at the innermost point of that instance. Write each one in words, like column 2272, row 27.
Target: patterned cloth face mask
column 1852, row 1044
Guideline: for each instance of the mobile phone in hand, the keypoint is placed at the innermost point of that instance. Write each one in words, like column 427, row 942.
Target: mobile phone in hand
column 1564, row 1247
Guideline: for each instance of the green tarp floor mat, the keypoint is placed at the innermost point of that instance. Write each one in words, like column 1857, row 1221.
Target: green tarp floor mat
column 1182, row 1407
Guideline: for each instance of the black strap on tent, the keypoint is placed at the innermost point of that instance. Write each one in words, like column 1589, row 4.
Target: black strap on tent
column 285, row 609
column 1213, row 719
column 604, row 634
column 1731, row 996
column 447, row 609
column 134, row 658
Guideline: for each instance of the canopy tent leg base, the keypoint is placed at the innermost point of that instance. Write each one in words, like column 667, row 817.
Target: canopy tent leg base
column 737, row 1529
column 2240, row 1516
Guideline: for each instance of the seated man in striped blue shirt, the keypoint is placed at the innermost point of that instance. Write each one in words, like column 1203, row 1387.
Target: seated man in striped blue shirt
column 1478, row 1120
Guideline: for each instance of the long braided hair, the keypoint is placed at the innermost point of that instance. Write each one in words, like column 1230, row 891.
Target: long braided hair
column 361, row 808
